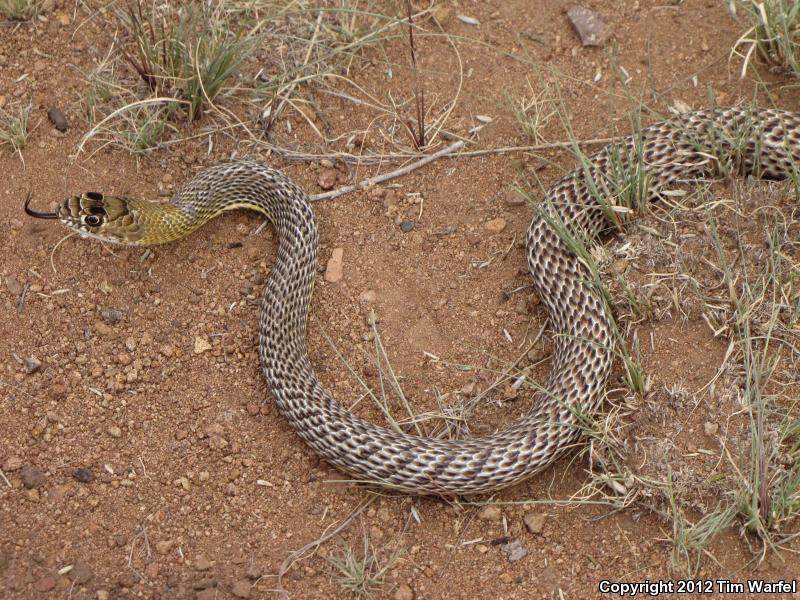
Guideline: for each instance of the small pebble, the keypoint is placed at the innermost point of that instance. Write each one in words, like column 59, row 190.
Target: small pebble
column 13, row 285
column 83, row 475
column 406, row 226
column 495, row 225
column 201, row 344
column 13, row 463
column 45, row 584
column 590, row 25
column 514, row 550
column 535, row 522
column 111, row 315
column 114, row 431
column 254, row 571
column 490, row 513
column 710, row 428
column 57, row 118
column 163, row 546
column 202, row 563
column 31, row 364
column 81, row 572
column 403, row 592
column 327, row 179
column 333, row 270
column 32, row 477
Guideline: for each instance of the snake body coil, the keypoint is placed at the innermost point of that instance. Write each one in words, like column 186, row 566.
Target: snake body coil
column 762, row 142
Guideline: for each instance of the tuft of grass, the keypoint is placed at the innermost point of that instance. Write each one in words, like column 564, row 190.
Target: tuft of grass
column 533, row 112
column 690, row 540
column 361, row 573
column 187, row 52
column 120, row 118
column 24, row 10
column 14, row 128
column 772, row 34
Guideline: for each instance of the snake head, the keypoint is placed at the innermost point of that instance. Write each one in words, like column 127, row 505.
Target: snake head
column 92, row 214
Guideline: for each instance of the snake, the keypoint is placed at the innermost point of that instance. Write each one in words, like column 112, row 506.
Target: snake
column 683, row 148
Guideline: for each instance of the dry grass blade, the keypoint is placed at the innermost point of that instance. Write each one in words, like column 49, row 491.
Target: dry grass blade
column 14, row 128
column 187, row 53
column 24, row 10
column 773, row 33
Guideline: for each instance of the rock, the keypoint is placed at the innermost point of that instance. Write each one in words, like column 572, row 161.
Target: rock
column 201, row 344
column 241, row 589
column 333, row 270
column 83, row 475
column 403, row 592
column 114, row 431
column 407, row 226
column 57, row 118
column 81, row 572
column 13, row 463
column 111, row 315
column 208, row 594
column 495, row 225
column 327, row 179
column 31, row 364
column 710, row 428
column 202, row 563
column 45, row 584
column 590, row 25
column 534, row 522
column 490, row 513
column 32, row 478
column 514, row 550
column 103, row 595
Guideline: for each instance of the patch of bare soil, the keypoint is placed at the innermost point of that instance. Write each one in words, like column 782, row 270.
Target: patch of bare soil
column 144, row 458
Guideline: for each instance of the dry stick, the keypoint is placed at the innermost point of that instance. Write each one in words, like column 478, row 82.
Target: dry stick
column 451, row 149
column 382, row 158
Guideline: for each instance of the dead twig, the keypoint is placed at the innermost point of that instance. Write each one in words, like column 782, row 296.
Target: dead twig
column 451, row 149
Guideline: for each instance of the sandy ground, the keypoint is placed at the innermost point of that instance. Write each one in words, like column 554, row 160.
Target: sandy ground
column 193, row 484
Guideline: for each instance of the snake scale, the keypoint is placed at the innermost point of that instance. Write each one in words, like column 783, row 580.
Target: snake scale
column 762, row 142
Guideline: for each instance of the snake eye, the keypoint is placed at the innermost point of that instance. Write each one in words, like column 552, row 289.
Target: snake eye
column 93, row 220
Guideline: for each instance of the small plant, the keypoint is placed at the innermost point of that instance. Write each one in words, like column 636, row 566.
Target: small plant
column 183, row 53
column 773, row 33
column 690, row 540
column 23, row 10
column 14, row 128
column 533, row 112
column 360, row 574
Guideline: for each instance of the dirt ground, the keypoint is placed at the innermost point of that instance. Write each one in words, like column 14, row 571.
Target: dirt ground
column 193, row 484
